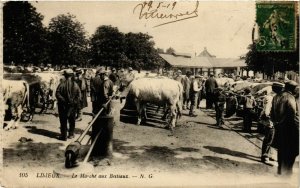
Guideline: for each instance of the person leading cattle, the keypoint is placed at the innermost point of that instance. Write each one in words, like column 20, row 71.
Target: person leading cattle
column 68, row 97
column 210, row 85
column 286, row 122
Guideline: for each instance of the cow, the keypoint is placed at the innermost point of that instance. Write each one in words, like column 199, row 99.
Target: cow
column 15, row 96
column 159, row 91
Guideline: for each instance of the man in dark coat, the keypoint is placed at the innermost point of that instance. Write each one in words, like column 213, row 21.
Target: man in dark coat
column 68, row 97
column 210, row 86
column 81, row 81
column 106, row 91
column 265, row 120
column 186, row 89
column 220, row 99
column 114, row 76
column 96, row 83
column 286, row 121
column 249, row 104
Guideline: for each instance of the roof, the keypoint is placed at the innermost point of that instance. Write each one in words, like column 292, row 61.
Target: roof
column 205, row 53
column 187, row 55
column 179, row 61
column 228, row 62
column 203, row 62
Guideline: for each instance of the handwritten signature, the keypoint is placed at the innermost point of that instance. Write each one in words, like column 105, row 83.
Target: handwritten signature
column 159, row 10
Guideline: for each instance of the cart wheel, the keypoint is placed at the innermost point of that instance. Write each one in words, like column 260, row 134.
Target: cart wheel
column 68, row 162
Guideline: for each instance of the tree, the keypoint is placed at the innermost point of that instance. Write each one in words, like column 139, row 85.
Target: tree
column 107, row 47
column 160, row 50
column 24, row 37
column 170, row 51
column 68, row 42
column 140, row 50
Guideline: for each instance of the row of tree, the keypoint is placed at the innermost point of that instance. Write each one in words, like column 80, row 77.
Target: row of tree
column 64, row 42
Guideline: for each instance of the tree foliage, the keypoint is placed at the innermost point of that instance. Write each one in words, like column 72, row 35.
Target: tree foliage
column 139, row 48
column 170, row 51
column 107, row 47
column 67, row 40
column 24, row 37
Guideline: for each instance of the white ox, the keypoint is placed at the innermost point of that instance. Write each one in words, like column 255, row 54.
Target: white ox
column 159, row 91
column 15, row 93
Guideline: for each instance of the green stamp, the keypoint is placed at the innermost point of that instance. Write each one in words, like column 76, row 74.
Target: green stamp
column 277, row 26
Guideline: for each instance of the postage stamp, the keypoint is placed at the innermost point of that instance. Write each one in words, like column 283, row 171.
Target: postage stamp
column 277, row 26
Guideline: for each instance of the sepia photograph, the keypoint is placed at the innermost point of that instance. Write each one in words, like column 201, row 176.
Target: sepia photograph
column 150, row 94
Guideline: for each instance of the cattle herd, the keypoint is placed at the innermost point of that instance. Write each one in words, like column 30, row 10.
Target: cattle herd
column 26, row 94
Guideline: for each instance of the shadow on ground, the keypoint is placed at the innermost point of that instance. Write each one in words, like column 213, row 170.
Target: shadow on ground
column 33, row 154
column 166, row 158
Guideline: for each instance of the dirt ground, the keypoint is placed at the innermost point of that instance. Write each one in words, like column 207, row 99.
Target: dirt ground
column 198, row 154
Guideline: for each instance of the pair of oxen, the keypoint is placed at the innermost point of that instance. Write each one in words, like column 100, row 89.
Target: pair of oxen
column 24, row 93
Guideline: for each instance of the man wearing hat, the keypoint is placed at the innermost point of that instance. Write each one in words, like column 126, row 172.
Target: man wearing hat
column 265, row 121
column 68, row 97
column 96, row 83
column 81, row 81
column 220, row 99
column 186, row 89
column 248, row 103
column 286, row 122
column 194, row 89
column 130, row 75
column 210, row 85
column 106, row 90
column 113, row 76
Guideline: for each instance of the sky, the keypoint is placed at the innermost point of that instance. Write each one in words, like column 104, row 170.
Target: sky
column 223, row 27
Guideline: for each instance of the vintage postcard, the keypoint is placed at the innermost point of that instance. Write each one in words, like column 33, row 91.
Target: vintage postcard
column 150, row 94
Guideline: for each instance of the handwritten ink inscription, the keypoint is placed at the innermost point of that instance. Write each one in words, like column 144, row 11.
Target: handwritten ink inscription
column 169, row 11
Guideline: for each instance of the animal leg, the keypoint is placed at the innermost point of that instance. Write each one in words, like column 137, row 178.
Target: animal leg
column 139, row 111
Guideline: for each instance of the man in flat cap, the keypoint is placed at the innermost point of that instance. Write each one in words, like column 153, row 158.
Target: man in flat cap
column 265, row 121
column 286, row 121
column 68, row 97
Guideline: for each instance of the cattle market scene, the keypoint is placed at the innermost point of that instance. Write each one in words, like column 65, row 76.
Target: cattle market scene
column 150, row 94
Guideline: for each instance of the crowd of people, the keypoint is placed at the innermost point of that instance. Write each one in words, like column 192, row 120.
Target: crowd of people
column 279, row 115
column 77, row 86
